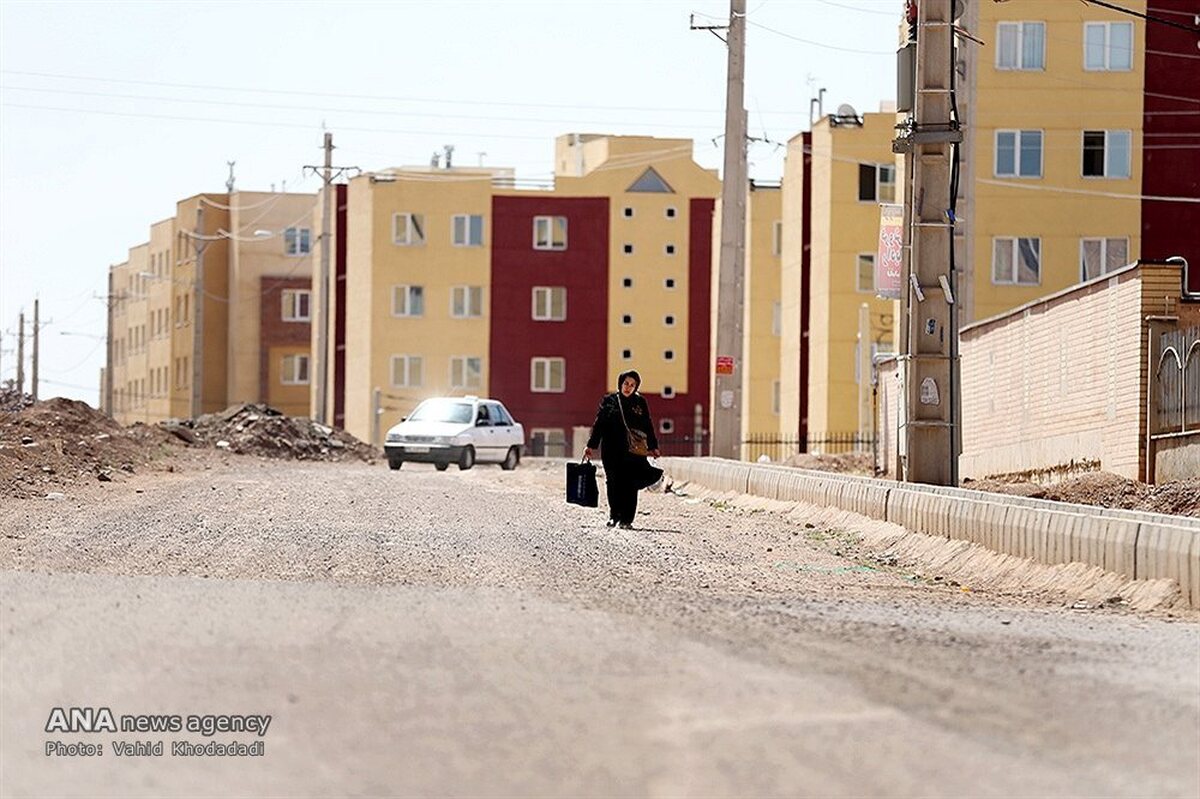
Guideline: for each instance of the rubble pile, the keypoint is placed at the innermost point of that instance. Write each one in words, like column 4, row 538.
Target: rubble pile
column 1179, row 498
column 12, row 400
column 57, row 442
column 256, row 429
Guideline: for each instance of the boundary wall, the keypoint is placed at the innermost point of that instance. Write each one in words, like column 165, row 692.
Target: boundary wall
column 1139, row 546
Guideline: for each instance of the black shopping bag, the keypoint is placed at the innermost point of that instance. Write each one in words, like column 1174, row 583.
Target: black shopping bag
column 581, row 485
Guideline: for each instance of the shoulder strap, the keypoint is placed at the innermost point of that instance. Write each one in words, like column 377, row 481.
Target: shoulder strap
column 621, row 408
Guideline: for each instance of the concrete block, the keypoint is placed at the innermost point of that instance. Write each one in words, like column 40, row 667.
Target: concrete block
column 1173, row 552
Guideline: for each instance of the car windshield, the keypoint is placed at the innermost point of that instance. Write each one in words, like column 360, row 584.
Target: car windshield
column 442, row 411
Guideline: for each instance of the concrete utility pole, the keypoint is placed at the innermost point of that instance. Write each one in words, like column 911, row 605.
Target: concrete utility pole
column 199, row 244
column 36, row 330
column 21, row 353
column 320, row 371
column 927, row 300
column 727, row 393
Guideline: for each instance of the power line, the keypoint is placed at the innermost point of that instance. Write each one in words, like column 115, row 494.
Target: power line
column 1147, row 17
column 815, row 43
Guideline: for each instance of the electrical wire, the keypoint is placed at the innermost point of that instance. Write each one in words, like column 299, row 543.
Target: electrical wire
column 814, row 43
column 1147, row 17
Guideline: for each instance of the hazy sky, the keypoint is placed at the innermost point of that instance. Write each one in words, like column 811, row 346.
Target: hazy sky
column 110, row 112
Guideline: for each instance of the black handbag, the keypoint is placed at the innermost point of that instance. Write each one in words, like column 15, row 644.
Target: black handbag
column 581, row 485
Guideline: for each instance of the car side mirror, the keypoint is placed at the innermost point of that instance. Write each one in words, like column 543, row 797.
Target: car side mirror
column 404, row 418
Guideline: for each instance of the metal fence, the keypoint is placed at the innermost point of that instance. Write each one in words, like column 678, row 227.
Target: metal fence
column 779, row 448
column 1176, row 390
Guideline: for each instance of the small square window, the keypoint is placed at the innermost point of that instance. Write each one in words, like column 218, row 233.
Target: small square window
column 628, row 249
column 550, row 233
column 670, row 212
column 670, row 249
column 668, row 392
column 628, row 212
column 627, row 282
column 627, row 354
column 668, row 320
column 627, row 319
column 666, row 425
column 668, row 355
column 669, row 283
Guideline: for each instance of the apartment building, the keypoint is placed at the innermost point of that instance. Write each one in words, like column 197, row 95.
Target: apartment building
column 213, row 309
column 460, row 283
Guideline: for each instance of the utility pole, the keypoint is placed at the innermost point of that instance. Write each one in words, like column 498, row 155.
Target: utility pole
column 928, row 294
column 36, row 331
column 320, row 370
column 21, row 354
column 727, row 389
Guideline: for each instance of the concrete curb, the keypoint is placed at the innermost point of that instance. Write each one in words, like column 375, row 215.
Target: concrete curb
column 1139, row 546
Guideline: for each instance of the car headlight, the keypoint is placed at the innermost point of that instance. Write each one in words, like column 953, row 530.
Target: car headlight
column 394, row 438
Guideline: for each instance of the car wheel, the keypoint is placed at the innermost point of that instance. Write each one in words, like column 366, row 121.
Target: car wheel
column 467, row 460
column 441, row 467
column 395, row 463
column 511, row 459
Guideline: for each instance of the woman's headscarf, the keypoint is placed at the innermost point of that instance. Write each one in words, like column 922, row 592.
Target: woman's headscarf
column 637, row 379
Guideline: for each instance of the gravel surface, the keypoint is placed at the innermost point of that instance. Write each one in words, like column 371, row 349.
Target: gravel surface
column 468, row 633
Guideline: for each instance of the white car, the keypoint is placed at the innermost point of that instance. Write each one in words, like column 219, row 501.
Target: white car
column 461, row 430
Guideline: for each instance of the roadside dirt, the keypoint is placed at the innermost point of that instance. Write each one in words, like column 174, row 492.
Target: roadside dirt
column 1180, row 498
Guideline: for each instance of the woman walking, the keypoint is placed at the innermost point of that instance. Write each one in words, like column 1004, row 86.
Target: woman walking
column 624, row 433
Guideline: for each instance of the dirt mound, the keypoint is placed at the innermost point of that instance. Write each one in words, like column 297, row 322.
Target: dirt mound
column 57, row 442
column 12, row 400
column 1180, row 498
column 847, row 463
column 256, row 429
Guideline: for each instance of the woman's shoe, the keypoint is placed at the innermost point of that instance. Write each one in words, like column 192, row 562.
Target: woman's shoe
column 611, row 523
column 625, row 526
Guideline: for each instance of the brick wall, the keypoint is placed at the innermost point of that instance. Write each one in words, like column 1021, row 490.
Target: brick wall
column 280, row 338
column 1058, row 386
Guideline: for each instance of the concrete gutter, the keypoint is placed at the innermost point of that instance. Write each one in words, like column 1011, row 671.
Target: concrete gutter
column 1139, row 546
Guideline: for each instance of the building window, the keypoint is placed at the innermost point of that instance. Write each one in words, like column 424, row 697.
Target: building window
column 297, row 241
column 406, row 371
column 876, row 183
column 777, row 231
column 466, row 372
column 668, row 355
column 1017, row 261
column 1108, row 46
column 1106, row 153
column 549, row 233
column 408, row 301
column 628, row 212
column 668, row 392
column 548, row 375
column 296, row 304
column 408, row 230
column 1018, row 154
column 669, row 320
column 865, row 276
column 776, row 318
column 466, row 302
column 670, row 212
column 467, row 230
column 294, row 370
column 669, row 283
column 670, row 249
column 666, row 425
column 1101, row 256
column 775, row 397
column 628, row 249
column 627, row 282
column 627, row 354
column 627, row 319
column 549, row 303
column 1021, row 45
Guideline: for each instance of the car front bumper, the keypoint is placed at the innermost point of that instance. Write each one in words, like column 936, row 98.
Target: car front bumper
column 424, row 453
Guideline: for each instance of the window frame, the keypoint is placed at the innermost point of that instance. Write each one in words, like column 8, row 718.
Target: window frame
column 464, row 361
column 408, row 362
column 297, row 241
column 465, row 220
column 1015, row 242
column 409, row 227
column 1104, row 247
column 1106, row 153
column 547, row 362
column 468, row 294
column 1107, row 27
column 289, row 312
column 549, row 244
column 300, row 364
column 858, row 265
column 1018, row 136
column 407, row 313
column 1019, row 65
column 547, row 293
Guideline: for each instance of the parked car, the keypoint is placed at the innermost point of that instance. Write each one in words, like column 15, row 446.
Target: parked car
column 461, row 430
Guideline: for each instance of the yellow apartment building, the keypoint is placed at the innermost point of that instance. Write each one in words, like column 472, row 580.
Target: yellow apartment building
column 1053, row 149
column 180, row 342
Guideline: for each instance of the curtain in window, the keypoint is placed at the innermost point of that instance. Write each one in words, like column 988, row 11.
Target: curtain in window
column 1002, row 271
column 1093, row 46
column 1006, row 47
column 1029, row 266
column 1117, row 161
column 1033, row 45
column 1091, row 255
column 1120, row 45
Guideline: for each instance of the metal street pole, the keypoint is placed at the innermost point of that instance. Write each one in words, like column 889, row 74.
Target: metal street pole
column 320, row 355
column 36, row 325
column 727, row 386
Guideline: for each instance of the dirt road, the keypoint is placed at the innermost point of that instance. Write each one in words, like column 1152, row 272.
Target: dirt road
column 442, row 634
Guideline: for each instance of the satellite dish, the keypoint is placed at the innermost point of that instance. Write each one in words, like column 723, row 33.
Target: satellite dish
column 846, row 110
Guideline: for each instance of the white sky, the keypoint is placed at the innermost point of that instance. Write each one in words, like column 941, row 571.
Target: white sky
column 110, row 112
